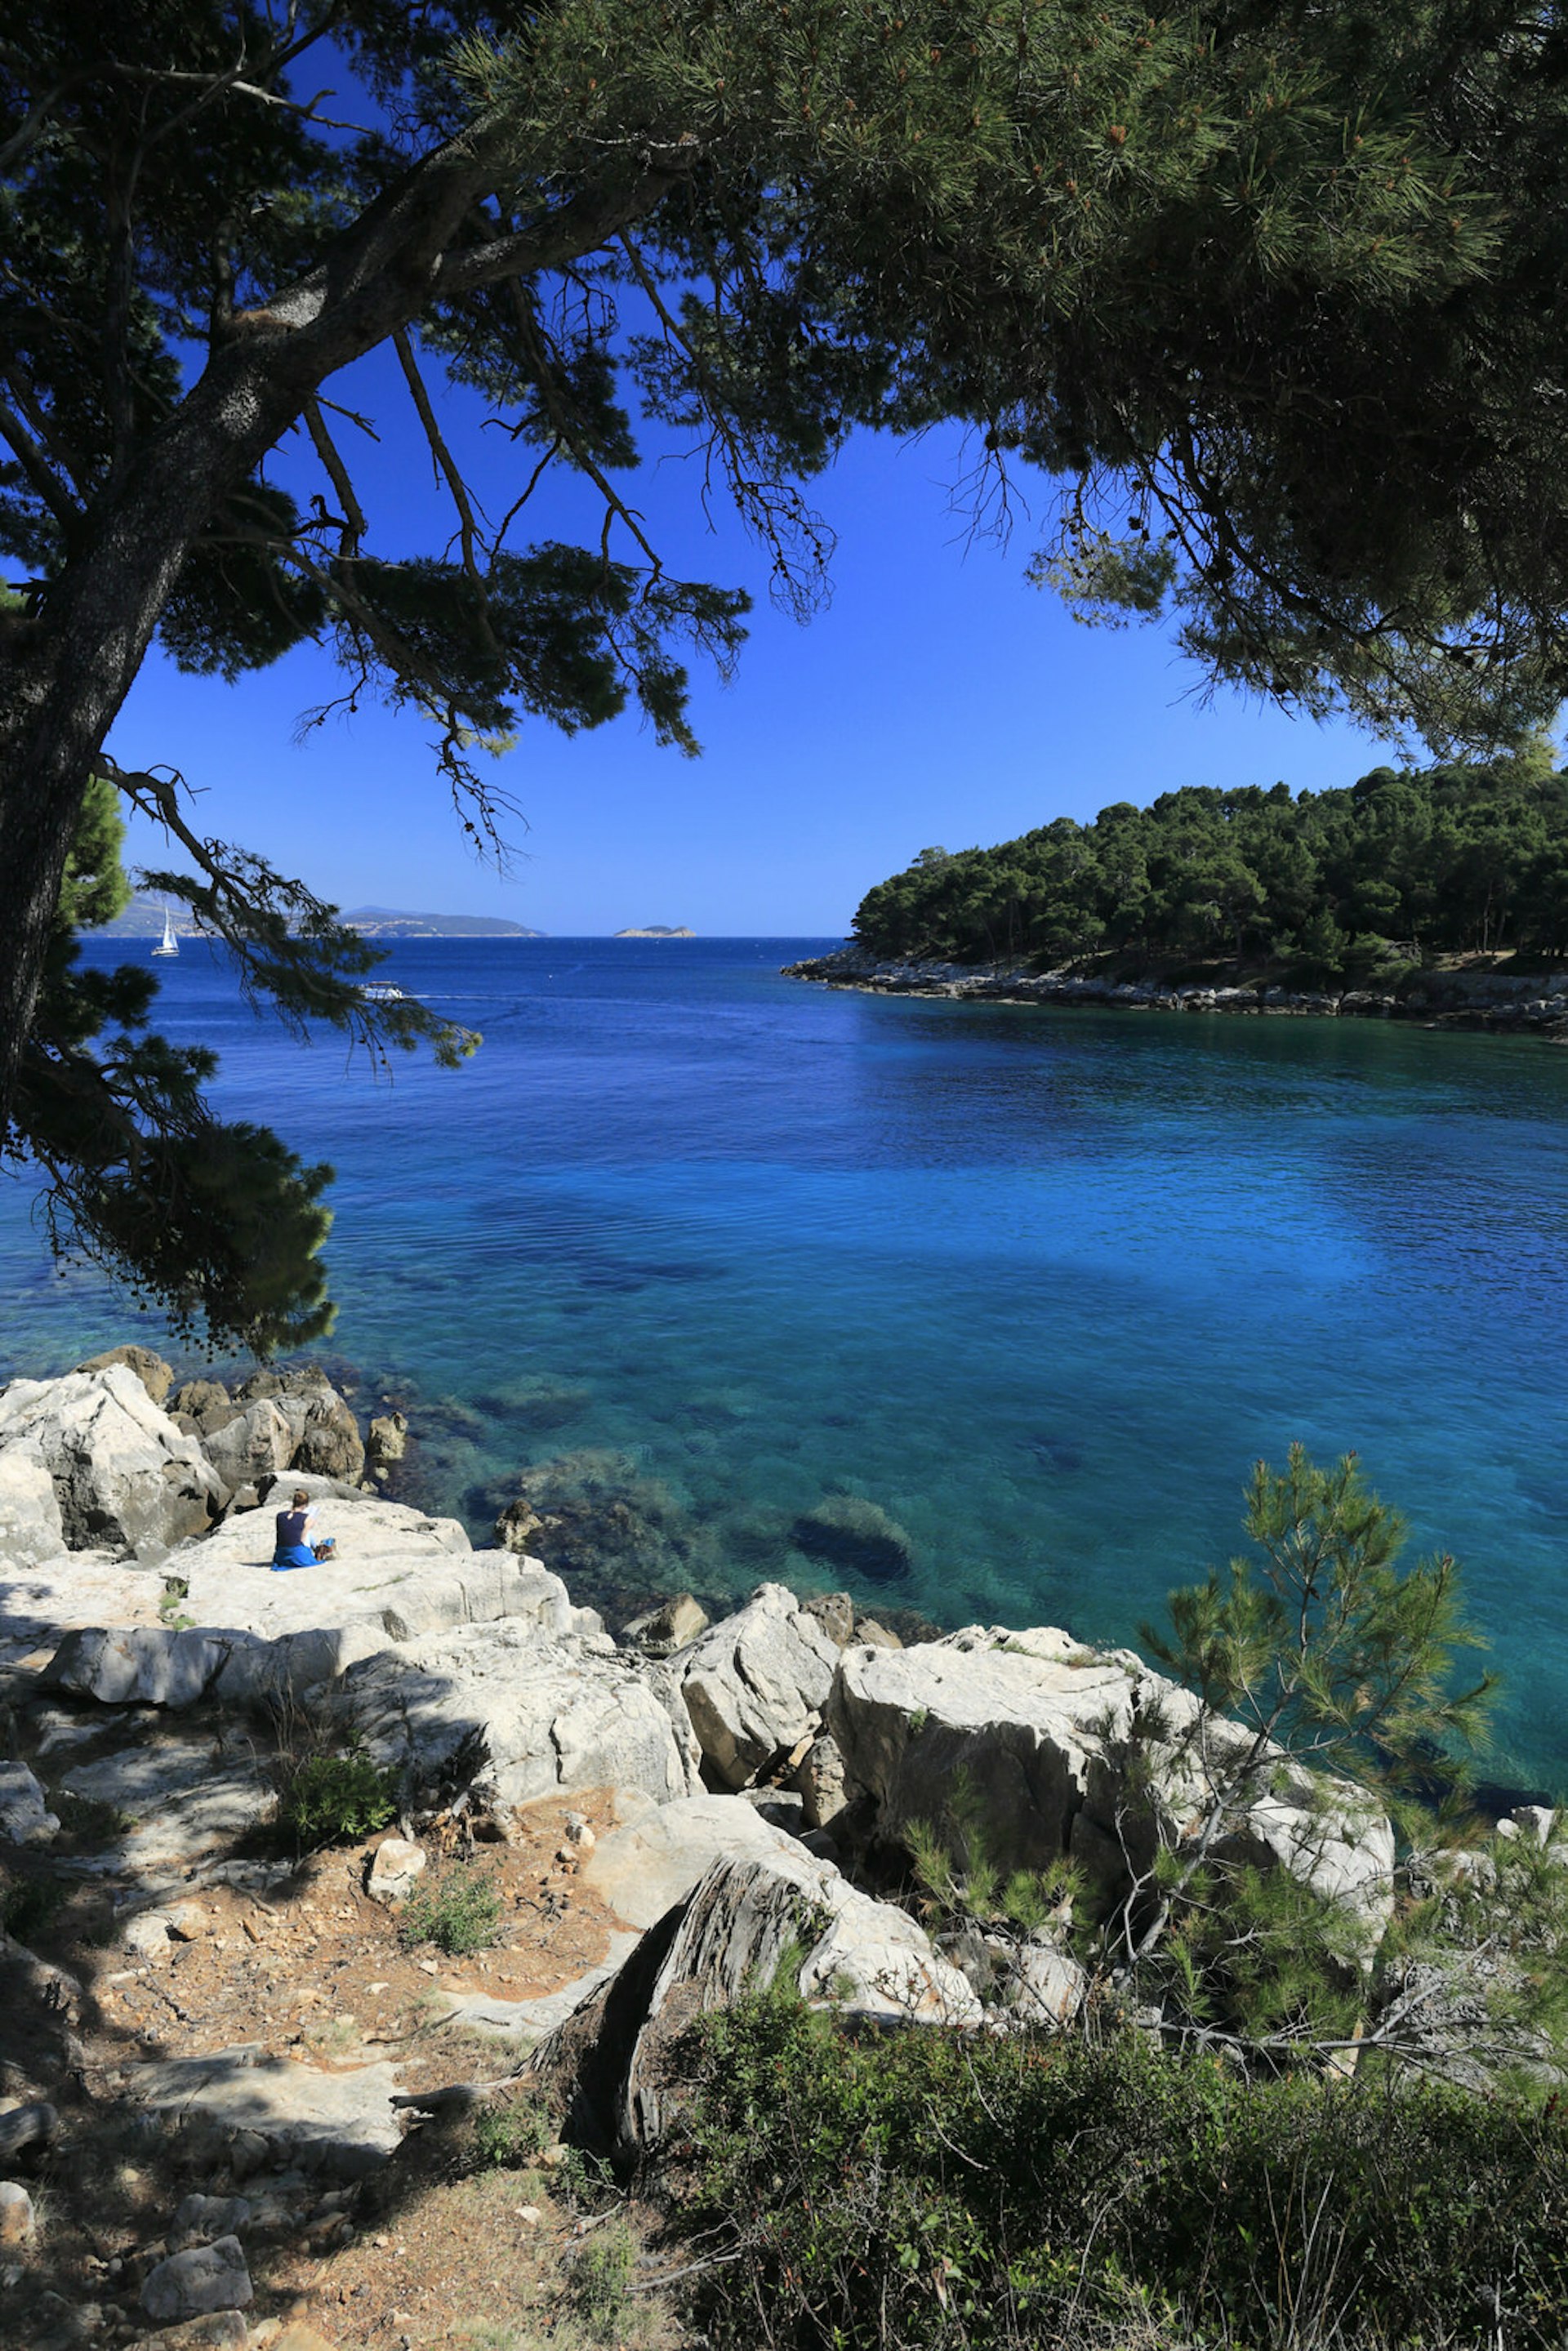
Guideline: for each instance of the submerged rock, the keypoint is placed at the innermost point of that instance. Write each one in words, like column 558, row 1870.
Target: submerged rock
column 855, row 1536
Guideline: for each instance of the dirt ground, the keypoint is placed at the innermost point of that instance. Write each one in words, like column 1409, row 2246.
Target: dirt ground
column 445, row 2245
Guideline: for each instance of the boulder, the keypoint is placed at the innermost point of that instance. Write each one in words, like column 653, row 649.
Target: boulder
column 1048, row 1987
column 1014, row 1719
column 727, row 1935
column 835, row 1613
column 200, row 2219
column 30, row 1528
column 24, row 1818
column 344, row 2124
column 554, row 1716
column 31, row 2123
column 755, row 1683
column 386, row 1440
column 155, row 1375
column 396, row 1866
column 326, row 1434
column 203, row 1405
column 666, row 1629
column 1033, row 1727
column 254, row 1443
column 206, row 2277
column 125, row 1476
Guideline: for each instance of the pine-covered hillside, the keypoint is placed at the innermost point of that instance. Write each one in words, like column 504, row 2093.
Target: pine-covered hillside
column 1401, row 866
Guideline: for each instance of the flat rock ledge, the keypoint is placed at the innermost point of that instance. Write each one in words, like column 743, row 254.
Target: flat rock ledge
column 1534, row 1002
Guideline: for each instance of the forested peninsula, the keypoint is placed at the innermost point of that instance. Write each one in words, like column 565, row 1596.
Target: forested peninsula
column 1374, row 886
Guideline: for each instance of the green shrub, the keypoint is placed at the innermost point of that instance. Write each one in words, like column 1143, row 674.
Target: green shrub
column 29, row 1904
column 507, row 2138
column 457, row 1910
column 935, row 2188
column 326, row 1797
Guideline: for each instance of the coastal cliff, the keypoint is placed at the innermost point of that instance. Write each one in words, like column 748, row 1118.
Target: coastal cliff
column 1533, row 1003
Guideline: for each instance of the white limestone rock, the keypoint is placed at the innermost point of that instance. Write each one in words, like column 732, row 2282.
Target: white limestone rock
column 68, row 1591
column 557, row 1717
column 755, row 1684
column 642, row 1869
column 184, row 1804
column 125, row 1476
column 398, row 1575
column 30, row 1528
column 1032, row 1723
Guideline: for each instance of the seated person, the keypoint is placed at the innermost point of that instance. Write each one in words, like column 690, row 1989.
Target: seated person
column 292, row 1549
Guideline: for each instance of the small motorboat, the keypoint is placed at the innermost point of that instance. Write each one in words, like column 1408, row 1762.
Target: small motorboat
column 382, row 991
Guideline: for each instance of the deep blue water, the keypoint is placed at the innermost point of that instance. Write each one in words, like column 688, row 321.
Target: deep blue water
column 1040, row 1285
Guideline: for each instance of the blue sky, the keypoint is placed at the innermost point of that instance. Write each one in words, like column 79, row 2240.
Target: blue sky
column 939, row 699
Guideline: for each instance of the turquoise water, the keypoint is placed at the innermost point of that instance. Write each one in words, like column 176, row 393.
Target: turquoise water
column 1039, row 1284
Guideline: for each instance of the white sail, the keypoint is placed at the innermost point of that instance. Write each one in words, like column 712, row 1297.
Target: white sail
column 168, row 944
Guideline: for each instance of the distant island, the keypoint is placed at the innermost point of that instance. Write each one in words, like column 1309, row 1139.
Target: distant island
column 388, row 923
column 656, row 931
column 144, row 919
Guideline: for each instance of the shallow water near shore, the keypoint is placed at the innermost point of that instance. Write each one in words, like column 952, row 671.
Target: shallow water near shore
column 1039, row 1285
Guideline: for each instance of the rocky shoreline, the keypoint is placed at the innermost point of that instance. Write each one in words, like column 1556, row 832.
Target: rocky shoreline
column 706, row 1798
column 1531, row 1004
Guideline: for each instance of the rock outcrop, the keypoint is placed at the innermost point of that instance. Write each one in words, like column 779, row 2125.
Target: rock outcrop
column 550, row 1715
column 728, row 1936
column 398, row 1576
column 326, row 1434
column 125, row 1476
column 1034, row 1730
column 755, row 1684
column 30, row 1524
column 343, row 2124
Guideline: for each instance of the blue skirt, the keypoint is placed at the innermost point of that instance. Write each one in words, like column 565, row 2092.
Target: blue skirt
column 296, row 1556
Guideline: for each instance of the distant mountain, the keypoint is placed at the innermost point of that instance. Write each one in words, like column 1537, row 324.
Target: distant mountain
column 388, row 923
column 144, row 919
column 656, row 931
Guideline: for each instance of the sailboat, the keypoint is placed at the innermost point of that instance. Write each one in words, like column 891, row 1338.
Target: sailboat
column 168, row 944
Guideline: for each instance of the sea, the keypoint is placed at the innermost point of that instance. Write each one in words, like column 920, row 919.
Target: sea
column 985, row 1312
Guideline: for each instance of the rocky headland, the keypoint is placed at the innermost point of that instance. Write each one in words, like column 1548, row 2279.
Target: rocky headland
column 662, row 1814
column 1532, row 1003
